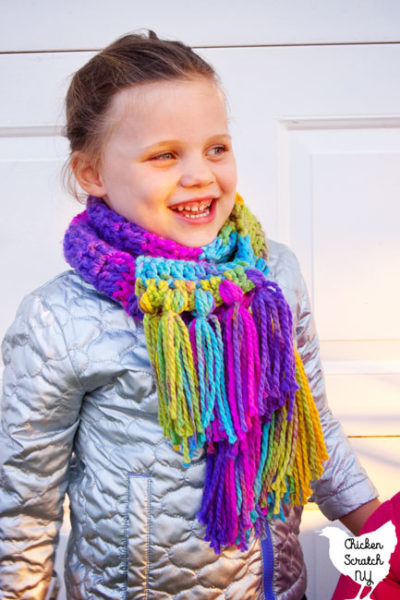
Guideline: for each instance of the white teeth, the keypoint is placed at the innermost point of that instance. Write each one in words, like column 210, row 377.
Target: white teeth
column 203, row 214
column 193, row 207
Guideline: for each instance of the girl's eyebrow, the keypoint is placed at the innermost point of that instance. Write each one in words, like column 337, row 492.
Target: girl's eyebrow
column 160, row 143
column 218, row 136
column 172, row 142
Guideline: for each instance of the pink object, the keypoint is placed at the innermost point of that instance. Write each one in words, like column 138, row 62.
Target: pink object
column 389, row 588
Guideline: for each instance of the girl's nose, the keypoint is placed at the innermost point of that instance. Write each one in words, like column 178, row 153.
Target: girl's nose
column 196, row 173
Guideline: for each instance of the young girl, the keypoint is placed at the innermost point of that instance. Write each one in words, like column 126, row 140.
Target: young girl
column 170, row 383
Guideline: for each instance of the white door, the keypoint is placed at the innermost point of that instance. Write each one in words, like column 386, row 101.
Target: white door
column 314, row 101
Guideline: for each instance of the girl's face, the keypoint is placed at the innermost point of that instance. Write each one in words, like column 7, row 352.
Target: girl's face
column 168, row 164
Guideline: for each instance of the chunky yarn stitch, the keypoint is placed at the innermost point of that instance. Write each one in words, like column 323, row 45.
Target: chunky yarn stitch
column 219, row 337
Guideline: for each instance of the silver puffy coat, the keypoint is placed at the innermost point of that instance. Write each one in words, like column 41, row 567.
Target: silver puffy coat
column 80, row 416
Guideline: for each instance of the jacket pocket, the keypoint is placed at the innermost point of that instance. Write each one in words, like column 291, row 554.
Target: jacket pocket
column 136, row 538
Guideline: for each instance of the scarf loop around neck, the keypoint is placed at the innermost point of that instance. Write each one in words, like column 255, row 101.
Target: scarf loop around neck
column 219, row 338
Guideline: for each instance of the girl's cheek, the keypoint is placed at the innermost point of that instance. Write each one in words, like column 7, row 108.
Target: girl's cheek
column 228, row 170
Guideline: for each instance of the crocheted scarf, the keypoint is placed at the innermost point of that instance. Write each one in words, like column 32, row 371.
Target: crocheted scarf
column 219, row 338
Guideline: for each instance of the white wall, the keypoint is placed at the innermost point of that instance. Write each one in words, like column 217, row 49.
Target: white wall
column 314, row 94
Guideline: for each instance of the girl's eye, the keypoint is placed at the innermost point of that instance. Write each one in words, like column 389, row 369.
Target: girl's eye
column 216, row 150
column 162, row 156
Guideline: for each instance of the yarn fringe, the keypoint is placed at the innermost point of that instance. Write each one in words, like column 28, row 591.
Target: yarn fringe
column 232, row 382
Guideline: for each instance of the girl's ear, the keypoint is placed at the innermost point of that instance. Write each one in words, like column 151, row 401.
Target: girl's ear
column 87, row 174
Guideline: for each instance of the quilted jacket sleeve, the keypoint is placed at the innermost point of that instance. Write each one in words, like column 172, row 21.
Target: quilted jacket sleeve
column 344, row 485
column 40, row 415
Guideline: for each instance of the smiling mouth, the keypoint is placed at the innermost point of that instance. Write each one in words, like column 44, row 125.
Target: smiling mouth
column 194, row 209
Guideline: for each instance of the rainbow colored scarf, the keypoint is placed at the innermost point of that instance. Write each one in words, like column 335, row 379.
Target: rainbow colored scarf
column 219, row 337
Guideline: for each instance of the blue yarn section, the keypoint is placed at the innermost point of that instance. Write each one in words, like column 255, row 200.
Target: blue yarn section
column 263, row 458
column 268, row 560
column 215, row 260
column 217, row 251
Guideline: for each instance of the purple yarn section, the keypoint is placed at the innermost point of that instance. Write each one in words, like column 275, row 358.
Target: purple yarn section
column 273, row 319
column 109, row 270
column 127, row 236
column 102, row 246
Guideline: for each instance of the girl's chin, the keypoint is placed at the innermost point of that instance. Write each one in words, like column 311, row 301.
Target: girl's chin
column 194, row 239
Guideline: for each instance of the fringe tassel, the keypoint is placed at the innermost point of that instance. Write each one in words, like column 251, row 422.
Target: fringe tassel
column 241, row 357
column 275, row 462
column 273, row 318
column 206, row 340
column 171, row 355
column 232, row 379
